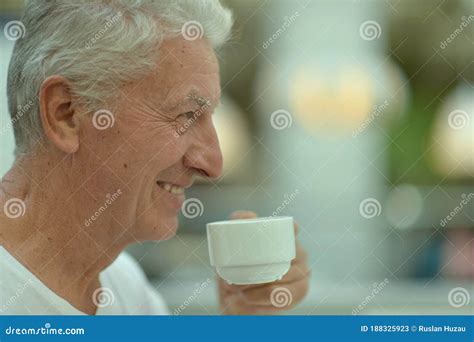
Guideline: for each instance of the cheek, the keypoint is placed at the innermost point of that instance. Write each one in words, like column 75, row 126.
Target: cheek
column 139, row 161
column 156, row 226
column 135, row 150
column 168, row 228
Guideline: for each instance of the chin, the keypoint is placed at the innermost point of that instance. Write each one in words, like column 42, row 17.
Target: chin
column 151, row 229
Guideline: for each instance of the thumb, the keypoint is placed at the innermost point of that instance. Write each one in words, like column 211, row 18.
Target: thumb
column 242, row 214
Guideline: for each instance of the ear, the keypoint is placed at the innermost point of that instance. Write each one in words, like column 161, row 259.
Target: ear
column 59, row 116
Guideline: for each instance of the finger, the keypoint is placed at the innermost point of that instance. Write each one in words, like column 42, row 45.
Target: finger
column 296, row 227
column 296, row 272
column 242, row 214
column 230, row 289
column 277, row 295
column 237, row 305
column 300, row 254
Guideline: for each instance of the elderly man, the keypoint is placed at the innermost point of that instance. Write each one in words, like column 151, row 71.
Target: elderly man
column 111, row 102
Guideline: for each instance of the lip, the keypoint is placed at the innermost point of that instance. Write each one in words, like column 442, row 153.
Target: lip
column 182, row 185
column 175, row 201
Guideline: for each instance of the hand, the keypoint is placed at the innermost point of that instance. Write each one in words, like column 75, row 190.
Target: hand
column 269, row 298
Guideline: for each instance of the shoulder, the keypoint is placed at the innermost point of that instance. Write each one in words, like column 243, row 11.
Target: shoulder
column 22, row 293
column 13, row 275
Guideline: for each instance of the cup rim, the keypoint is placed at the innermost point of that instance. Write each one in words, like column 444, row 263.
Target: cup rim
column 251, row 220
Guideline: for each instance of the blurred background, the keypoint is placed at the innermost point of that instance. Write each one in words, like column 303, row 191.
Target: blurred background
column 355, row 117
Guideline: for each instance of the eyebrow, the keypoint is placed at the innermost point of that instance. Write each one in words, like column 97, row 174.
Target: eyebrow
column 199, row 100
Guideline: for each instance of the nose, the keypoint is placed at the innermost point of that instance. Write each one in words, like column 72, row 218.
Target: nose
column 204, row 155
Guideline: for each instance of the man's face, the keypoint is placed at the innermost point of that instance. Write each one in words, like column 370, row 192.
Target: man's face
column 163, row 136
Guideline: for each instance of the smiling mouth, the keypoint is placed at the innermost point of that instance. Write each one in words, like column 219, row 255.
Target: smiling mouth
column 171, row 188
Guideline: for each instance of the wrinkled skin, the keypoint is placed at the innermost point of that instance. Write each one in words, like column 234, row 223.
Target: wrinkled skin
column 67, row 177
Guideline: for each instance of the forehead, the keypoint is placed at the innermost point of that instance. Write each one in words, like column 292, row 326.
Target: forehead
column 184, row 68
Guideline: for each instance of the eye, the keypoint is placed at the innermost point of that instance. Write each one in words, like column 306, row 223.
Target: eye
column 189, row 115
column 185, row 121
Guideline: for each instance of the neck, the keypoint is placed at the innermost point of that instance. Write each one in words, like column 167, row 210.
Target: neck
column 47, row 233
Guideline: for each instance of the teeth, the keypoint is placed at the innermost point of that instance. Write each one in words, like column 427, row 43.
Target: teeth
column 174, row 189
column 177, row 189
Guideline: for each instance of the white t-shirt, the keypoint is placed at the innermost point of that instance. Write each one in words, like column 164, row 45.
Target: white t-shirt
column 125, row 291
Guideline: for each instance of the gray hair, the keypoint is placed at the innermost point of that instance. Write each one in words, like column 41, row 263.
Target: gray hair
column 97, row 46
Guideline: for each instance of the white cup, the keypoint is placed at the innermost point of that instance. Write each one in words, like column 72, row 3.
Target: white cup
column 252, row 251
